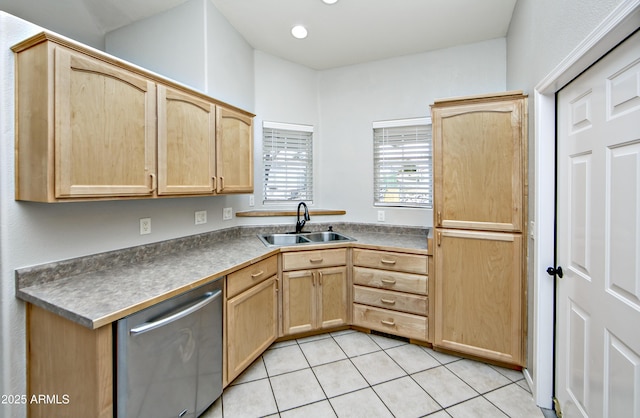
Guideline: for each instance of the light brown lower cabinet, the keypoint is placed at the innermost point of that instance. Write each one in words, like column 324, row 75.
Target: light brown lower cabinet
column 390, row 293
column 314, row 299
column 479, row 294
column 252, row 325
column 251, row 315
column 69, row 367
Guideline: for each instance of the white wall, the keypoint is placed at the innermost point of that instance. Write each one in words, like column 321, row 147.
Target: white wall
column 34, row 233
column 71, row 18
column 542, row 33
column 171, row 43
column 353, row 97
column 285, row 92
column 194, row 45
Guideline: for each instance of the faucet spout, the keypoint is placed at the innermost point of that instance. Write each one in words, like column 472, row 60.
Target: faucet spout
column 305, row 217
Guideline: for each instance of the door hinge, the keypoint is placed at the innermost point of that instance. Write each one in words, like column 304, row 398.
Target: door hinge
column 555, row 271
column 556, row 407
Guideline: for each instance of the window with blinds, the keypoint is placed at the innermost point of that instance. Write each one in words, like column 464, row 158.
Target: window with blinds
column 287, row 154
column 402, row 159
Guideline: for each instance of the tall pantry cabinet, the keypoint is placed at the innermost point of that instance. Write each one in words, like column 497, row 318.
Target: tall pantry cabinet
column 480, row 195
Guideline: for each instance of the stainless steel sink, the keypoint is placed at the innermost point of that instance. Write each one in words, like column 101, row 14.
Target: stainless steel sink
column 327, row 236
column 275, row 240
column 283, row 239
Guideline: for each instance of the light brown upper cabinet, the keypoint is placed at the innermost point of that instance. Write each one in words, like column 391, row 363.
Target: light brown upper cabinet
column 90, row 126
column 478, row 182
column 85, row 128
column 186, row 143
column 234, row 151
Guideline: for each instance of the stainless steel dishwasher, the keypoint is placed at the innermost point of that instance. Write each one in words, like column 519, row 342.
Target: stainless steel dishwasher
column 169, row 356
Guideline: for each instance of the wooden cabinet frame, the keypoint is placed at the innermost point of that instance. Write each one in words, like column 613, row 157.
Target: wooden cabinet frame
column 186, row 143
column 478, row 295
column 234, row 151
column 252, row 325
column 90, row 126
column 70, row 362
column 314, row 299
column 491, row 169
column 480, row 214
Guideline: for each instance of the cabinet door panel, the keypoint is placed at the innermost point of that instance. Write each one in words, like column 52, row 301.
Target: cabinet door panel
column 478, row 165
column 252, row 324
column 299, row 301
column 234, row 152
column 479, row 294
column 105, row 129
column 186, row 143
column 333, row 297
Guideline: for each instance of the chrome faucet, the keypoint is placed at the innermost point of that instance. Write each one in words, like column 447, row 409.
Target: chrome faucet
column 305, row 218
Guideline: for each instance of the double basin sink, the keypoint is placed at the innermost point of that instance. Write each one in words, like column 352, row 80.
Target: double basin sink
column 275, row 240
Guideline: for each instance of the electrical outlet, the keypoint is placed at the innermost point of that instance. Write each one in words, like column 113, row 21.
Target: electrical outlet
column 201, row 217
column 380, row 216
column 145, row 226
column 227, row 214
column 252, row 200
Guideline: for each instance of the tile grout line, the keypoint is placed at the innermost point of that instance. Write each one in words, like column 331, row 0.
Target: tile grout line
column 299, row 344
column 365, row 379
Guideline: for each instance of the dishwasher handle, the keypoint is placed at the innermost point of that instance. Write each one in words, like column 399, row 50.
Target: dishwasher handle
column 148, row 326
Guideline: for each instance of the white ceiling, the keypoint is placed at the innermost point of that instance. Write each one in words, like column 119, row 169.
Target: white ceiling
column 345, row 33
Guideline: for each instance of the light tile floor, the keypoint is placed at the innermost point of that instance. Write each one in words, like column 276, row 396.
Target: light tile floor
column 353, row 374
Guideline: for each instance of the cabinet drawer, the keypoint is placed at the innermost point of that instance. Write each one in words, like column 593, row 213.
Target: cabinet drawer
column 401, row 282
column 243, row 279
column 314, row 259
column 388, row 299
column 410, row 263
column 396, row 323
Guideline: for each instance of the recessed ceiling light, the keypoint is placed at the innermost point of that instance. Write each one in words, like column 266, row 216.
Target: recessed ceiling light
column 330, row 1
column 299, row 32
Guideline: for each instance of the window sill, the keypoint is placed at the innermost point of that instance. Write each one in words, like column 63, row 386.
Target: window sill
column 270, row 212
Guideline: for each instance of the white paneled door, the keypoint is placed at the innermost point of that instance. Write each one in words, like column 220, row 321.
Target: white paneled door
column 598, row 239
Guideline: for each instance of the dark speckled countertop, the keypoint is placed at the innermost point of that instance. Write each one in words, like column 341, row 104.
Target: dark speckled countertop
column 97, row 290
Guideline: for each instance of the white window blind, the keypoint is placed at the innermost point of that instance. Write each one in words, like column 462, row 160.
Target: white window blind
column 288, row 162
column 402, row 157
